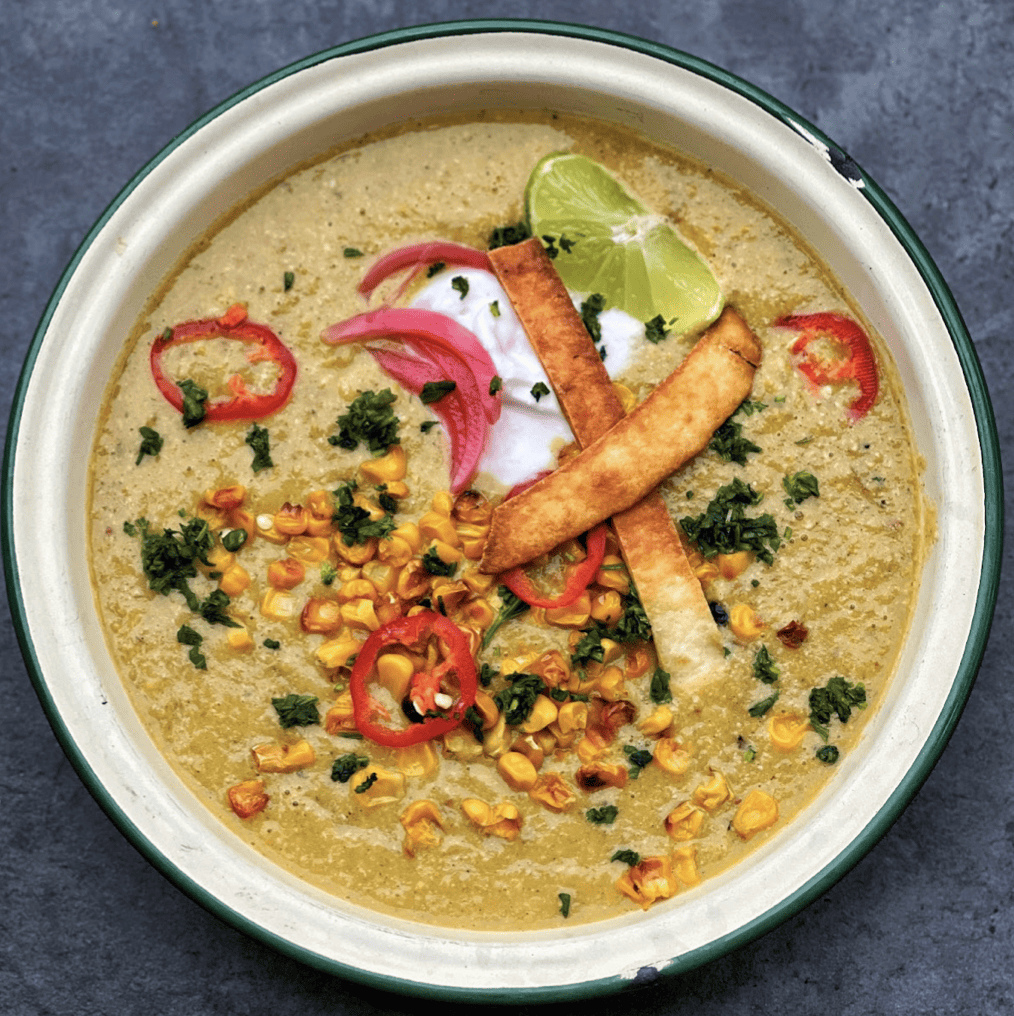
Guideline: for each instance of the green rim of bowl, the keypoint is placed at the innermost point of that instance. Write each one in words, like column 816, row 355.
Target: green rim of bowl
column 960, row 689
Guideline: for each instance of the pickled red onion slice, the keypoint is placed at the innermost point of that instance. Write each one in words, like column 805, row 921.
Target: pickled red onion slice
column 417, row 256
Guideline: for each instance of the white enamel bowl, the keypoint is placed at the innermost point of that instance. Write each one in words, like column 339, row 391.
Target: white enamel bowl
column 343, row 93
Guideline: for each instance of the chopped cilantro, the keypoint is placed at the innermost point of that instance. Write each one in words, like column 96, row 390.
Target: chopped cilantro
column 168, row 560
column 234, row 540
column 660, row 690
column 799, row 486
column 551, row 249
column 346, row 766
column 656, row 329
column 511, row 606
column 194, row 397
column 750, row 754
column 764, row 667
column 296, row 710
column 474, row 721
column 728, row 440
column 361, row 788
column 434, row 391
column 386, row 501
column 486, row 675
column 633, row 625
column 505, row 236
column 564, row 899
column 495, row 384
column 606, row 815
column 151, row 443
column 724, row 528
column 758, row 709
column 566, row 244
column 589, row 648
column 257, row 438
column 436, row 565
column 370, row 419
column 435, row 269
column 631, row 857
column 829, row 754
column 590, row 310
column 287, row 280
column 638, row 759
column 272, row 644
column 838, row 696
column 516, row 701
column 460, row 285
column 355, row 523
column 539, row 389
column 213, row 609
column 427, row 425
column 352, row 252
column 494, row 308
column 188, row 637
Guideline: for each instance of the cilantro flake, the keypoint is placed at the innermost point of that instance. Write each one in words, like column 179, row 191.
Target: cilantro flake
column 296, row 710
column 151, row 443
column 257, row 438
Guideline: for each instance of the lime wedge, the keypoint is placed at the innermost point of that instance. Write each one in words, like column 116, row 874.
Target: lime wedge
column 633, row 257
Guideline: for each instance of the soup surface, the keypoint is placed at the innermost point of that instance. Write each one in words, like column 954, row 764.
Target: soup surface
column 643, row 786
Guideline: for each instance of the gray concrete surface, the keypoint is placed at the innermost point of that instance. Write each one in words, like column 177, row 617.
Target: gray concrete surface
column 919, row 93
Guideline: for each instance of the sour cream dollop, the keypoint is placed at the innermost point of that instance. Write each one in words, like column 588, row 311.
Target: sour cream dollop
column 531, row 430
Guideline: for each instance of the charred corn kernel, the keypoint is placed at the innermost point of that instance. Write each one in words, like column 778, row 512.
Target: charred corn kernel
column 684, row 863
column 672, row 756
column 319, row 527
column 321, row 616
column 563, row 740
column 422, row 823
column 278, row 605
column 358, row 553
column 684, row 822
column 360, row 500
column 413, row 581
column 417, row 760
column 443, row 503
column 320, row 504
column 504, row 820
column 594, row 776
column 409, row 532
column 395, row 552
column 266, row 530
column 397, row 489
column 552, row 792
column 731, row 566
column 497, row 739
column 291, row 519
column 487, row 709
column 380, row 786
column 240, row 519
column 448, row 594
column 744, row 622
column 226, row 498
column 338, row 651
column 544, row 712
column 607, row 607
column 360, row 615
column 706, row 571
column 341, row 716
column 787, row 730
column 472, row 539
column 648, row 882
column 388, row 607
column 574, row 616
column 478, row 612
column 757, row 811
column 613, row 574
column 479, row 584
column 309, row 549
column 517, row 771
column 637, row 662
column 239, row 640
column 356, row 589
column 394, row 672
column 589, row 749
column 385, row 468
column 572, row 716
column 658, row 722
column 286, row 573
column 435, row 526
column 461, row 744
column 383, row 576
column 471, row 506
column 610, row 684
column 235, row 580
column 531, row 748
column 248, row 798
column 518, row 663
column 283, row 758
column 552, row 668
column 215, row 517
column 713, row 794
column 446, row 552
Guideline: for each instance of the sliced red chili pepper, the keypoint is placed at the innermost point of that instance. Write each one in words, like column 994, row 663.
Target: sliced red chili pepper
column 518, row 582
column 410, row 632
column 264, row 346
column 860, row 365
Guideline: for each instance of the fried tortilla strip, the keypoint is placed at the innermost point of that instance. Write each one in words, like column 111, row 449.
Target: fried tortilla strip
column 622, row 466
column 689, row 645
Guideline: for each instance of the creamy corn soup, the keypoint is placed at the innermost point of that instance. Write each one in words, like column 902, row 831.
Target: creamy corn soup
column 578, row 780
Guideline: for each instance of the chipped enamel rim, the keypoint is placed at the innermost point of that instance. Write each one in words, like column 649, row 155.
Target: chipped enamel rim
column 305, row 108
